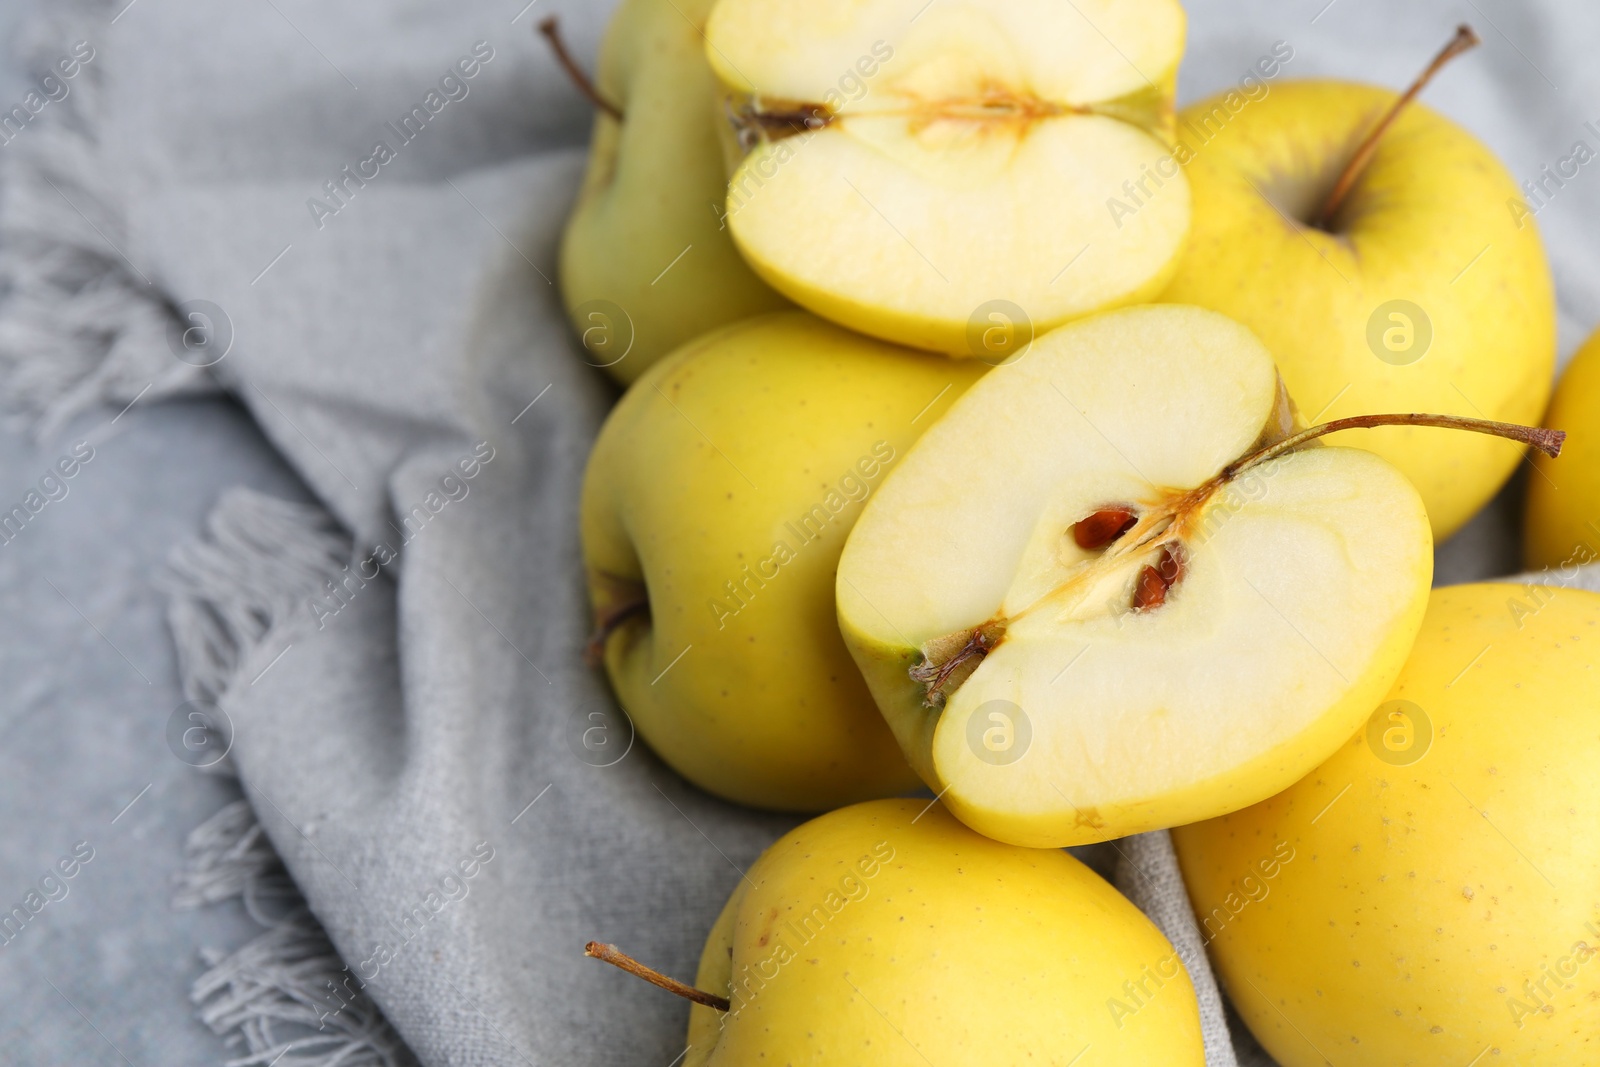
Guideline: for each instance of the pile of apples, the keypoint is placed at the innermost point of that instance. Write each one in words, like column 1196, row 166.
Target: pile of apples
column 993, row 428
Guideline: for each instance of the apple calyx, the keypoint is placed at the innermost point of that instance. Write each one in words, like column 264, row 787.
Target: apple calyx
column 1158, row 536
column 948, row 661
column 609, row 622
column 1464, row 40
column 611, row 954
column 551, row 30
column 754, row 121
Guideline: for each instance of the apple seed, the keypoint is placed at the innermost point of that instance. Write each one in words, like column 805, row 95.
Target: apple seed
column 1150, row 589
column 1103, row 527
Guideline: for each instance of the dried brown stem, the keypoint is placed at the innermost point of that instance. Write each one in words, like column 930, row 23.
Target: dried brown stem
column 1547, row 441
column 1464, row 40
column 617, row 958
column 551, row 30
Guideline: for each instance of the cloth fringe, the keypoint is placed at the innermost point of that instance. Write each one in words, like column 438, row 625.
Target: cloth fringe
column 277, row 998
column 230, row 856
column 79, row 324
column 262, row 560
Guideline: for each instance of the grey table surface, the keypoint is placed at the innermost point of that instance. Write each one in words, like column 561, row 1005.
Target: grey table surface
column 89, row 679
column 87, row 683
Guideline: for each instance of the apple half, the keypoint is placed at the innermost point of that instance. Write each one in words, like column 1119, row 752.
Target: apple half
column 1085, row 608
column 906, row 165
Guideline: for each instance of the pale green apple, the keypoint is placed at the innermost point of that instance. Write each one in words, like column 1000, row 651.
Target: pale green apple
column 889, row 934
column 1427, row 290
column 1427, row 895
column 714, row 509
column 913, row 169
column 646, row 261
column 1228, row 620
column 1562, row 527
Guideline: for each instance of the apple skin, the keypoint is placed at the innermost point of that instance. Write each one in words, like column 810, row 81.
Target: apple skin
column 654, row 186
column 1564, row 497
column 767, row 708
column 1415, row 905
column 975, row 952
column 1430, row 201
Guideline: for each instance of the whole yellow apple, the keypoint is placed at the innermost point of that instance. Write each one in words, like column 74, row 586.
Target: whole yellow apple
column 1427, row 290
column 1429, row 894
column 646, row 261
column 889, row 934
column 1562, row 527
column 715, row 506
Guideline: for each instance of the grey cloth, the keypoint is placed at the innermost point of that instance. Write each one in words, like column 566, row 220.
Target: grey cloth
column 408, row 741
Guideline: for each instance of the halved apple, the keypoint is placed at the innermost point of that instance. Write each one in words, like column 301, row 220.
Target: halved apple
column 909, row 163
column 1089, row 604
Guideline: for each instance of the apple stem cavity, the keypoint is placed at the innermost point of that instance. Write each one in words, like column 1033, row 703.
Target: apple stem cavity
column 617, row 958
column 1547, row 441
column 1464, row 40
column 551, row 30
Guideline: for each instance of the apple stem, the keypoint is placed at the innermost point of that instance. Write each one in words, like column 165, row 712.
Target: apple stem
column 617, row 958
column 551, row 30
column 1464, row 40
column 1547, row 441
column 594, row 650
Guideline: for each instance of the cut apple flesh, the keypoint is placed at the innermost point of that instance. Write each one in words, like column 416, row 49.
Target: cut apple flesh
column 952, row 155
column 1190, row 662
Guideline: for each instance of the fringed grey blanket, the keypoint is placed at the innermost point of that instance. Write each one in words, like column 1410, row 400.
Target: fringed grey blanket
column 423, row 839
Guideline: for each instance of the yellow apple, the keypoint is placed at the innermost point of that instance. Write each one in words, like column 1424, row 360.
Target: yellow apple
column 1425, row 291
column 1429, row 894
column 1236, row 609
column 916, row 170
column 646, row 261
column 1562, row 527
column 889, row 934
column 714, row 508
